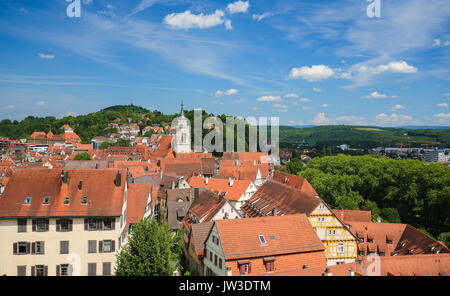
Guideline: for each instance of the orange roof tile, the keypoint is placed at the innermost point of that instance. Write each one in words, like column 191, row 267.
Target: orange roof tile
column 294, row 181
column 283, row 235
column 232, row 193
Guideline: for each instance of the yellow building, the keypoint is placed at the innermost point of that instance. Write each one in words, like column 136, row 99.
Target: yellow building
column 290, row 194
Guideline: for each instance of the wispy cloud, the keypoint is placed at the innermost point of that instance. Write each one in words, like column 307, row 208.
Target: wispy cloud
column 46, row 56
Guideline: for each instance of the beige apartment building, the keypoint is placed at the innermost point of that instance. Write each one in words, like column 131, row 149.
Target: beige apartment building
column 56, row 222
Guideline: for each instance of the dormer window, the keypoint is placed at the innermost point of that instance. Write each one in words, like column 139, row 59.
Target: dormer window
column 262, row 240
column 66, row 200
column 27, row 200
column 84, row 200
column 46, row 200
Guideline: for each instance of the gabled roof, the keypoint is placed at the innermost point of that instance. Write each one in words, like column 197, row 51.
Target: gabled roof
column 104, row 198
column 137, row 196
column 283, row 235
column 241, row 172
column 232, row 193
column 294, row 181
column 199, row 234
column 353, row 216
column 416, row 265
column 285, row 199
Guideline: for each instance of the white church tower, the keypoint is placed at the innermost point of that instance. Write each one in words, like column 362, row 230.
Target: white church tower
column 182, row 140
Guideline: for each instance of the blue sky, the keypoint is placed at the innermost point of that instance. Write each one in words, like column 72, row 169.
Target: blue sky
column 307, row 62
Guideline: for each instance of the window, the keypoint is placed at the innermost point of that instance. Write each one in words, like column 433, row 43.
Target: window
column 341, row 249
column 64, row 247
column 389, row 241
column 262, row 240
column 21, row 248
column 369, row 240
column 270, row 265
column 27, row 201
column 22, row 225
column 381, row 254
column 40, row 270
column 106, row 268
column 108, row 223
column 21, row 270
column 361, row 253
column 64, row 225
column 245, row 268
column 92, row 246
column 332, row 232
column 106, row 246
column 215, row 260
column 220, row 263
column 84, row 200
column 40, row 225
column 38, row 248
column 66, row 200
column 92, row 269
column 64, row 269
column 46, row 200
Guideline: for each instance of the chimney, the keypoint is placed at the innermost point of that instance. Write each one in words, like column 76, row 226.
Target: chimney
column 231, row 182
column 96, row 166
column 80, row 185
column 160, row 174
column 274, row 212
column 206, row 180
column 118, row 180
column 351, row 272
column 328, row 272
column 378, row 219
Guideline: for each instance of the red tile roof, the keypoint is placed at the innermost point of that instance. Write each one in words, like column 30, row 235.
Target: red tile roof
column 104, row 198
column 199, row 234
column 232, row 193
column 294, row 181
column 353, row 216
column 285, row 199
column 137, row 196
column 283, row 235
column 336, row 270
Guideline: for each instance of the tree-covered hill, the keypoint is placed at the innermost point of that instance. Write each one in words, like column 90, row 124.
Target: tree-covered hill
column 364, row 136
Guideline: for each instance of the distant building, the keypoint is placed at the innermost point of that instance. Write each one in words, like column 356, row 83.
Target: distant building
column 182, row 140
column 435, row 156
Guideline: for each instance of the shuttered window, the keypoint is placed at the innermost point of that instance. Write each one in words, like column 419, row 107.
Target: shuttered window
column 21, row 225
column 40, row 225
column 106, row 268
column 64, row 247
column 38, row 248
column 21, row 270
column 92, row 269
column 64, row 225
column 92, row 246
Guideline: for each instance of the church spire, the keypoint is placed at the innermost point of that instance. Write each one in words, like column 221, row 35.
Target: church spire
column 182, row 109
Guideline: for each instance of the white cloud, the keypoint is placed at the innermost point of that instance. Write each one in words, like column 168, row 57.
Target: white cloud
column 259, row 17
column 316, row 89
column 144, row 4
column 397, row 107
column 320, row 119
column 442, row 105
column 238, row 7
column 394, row 97
column 40, row 103
column 304, row 100
column 294, row 96
column 187, row 20
column 325, row 105
column 231, row 91
column 442, row 117
column 396, row 67
column 46, row 56
column 438, row 43
column 228, row 25
column 313, row 73
column 269, row 98
column 375, row 95
column 280, row 106
column 282, row 110
column 394, row 118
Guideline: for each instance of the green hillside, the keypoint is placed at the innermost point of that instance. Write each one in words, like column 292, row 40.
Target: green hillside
column 363, row 136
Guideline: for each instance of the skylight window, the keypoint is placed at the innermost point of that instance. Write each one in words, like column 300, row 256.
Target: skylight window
column 27, row 200
column 84, row 200
column 46, row 200
column 262, row 240
column 66, row 200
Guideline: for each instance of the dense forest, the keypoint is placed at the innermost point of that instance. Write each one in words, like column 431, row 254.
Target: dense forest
column 364, row 137
column 407, row 191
